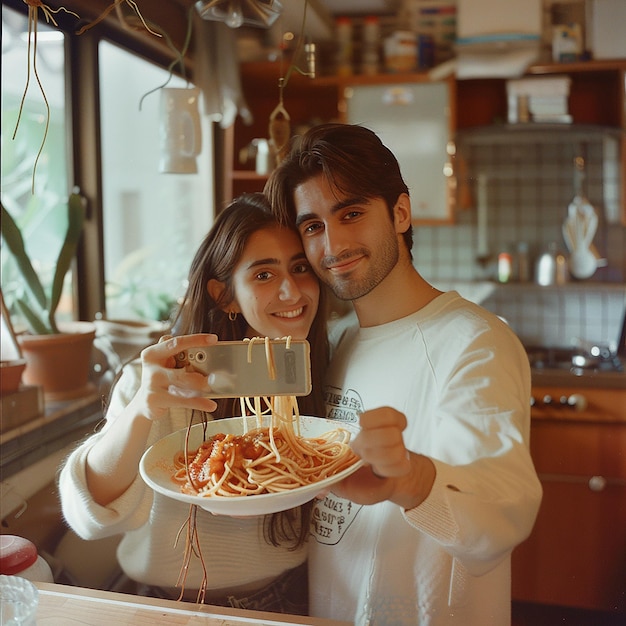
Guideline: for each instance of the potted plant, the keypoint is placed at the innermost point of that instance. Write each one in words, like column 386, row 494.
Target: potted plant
column 58, row 355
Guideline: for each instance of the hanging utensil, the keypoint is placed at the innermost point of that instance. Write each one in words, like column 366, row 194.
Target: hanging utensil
column 579, row 228
column 482, row 233
column 280, row 130
column 280, row 123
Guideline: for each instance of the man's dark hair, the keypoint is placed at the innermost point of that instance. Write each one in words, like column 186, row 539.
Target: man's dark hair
column 353, row 160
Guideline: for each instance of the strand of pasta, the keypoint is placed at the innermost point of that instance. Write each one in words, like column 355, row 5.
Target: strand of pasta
column 289, row 460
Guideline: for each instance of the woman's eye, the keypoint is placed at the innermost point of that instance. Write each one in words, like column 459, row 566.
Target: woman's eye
column 264, row 275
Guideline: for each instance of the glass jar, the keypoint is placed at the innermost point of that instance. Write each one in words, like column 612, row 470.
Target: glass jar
column 370, row 57
column 343, row 30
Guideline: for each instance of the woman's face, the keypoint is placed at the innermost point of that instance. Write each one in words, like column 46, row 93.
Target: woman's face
column 275, row 288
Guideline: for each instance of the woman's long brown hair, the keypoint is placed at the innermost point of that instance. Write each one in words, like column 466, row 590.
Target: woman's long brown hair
column 198, row 312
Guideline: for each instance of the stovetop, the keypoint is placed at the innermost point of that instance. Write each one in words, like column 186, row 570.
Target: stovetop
column 574, row 360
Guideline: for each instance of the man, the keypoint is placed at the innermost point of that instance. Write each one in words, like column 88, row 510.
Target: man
column 423, row 533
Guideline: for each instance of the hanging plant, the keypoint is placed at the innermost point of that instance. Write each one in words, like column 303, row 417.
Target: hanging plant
column 179, row 56
column 33, row 20
column 115, row 5
column 280, row 122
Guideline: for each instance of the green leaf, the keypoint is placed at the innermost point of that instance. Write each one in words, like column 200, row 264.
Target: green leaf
column 34, row 321
column 75, row 222
column 14, row 240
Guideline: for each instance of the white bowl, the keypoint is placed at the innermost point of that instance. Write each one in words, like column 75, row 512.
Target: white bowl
column 157, row 468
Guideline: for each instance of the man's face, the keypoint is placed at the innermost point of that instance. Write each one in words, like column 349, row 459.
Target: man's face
column 350, row 242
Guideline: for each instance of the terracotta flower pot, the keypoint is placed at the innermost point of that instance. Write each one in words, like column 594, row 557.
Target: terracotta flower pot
column 60, row 363
column 11, row 375
column 128, row 337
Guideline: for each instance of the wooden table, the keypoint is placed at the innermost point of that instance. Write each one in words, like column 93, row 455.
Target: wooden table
column 61, row 605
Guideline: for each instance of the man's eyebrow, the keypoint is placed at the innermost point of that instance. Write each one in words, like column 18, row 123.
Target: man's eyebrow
column 338, row 206
column 305, row 217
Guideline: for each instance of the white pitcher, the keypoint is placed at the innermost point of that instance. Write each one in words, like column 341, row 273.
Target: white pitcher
column 180, row 130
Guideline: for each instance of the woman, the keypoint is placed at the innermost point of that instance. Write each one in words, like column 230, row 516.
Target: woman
column 249, row 278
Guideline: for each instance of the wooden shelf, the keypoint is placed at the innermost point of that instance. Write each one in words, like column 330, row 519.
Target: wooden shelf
column 375, row 79
column 537, row 68
column 597, row 98
column 247, row 175
column 580, row 66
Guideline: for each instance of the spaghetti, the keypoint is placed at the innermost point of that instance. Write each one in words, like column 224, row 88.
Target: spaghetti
column 266, row 459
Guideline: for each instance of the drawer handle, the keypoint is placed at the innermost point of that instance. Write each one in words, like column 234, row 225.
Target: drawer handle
column 597, row 483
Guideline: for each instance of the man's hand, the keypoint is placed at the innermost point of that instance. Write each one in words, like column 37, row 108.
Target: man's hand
column 392, row 472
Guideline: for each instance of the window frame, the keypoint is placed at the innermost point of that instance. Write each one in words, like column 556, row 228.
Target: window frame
column 82, row 96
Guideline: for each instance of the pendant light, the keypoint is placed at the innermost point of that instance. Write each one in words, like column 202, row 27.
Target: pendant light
column 236, row 13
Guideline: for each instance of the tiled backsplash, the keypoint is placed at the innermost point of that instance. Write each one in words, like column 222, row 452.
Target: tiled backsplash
column 530, row 184
column 562, row 317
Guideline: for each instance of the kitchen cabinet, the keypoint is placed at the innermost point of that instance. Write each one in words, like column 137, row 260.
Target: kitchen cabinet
column 576, row 553
column 307, row 101
column 329, row 98
column 597, row 97
column 414, row 121
column 597, row 94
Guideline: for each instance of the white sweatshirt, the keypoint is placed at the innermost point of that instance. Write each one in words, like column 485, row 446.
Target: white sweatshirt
column 462, row 379
column 234, row 549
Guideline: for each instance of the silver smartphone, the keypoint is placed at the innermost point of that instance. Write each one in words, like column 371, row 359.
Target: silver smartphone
column 248, row 369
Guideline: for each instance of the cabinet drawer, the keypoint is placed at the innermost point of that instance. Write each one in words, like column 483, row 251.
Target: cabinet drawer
column 576, row 554
column 579, row 448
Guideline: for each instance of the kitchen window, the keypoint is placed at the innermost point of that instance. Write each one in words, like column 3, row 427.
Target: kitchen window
column 143, row 226
column 153, row 222
column 35, row 196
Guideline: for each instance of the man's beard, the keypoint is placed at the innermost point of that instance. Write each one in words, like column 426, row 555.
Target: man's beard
column 348, row 288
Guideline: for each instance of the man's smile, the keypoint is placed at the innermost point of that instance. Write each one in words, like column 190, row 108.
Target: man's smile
column 339, row 265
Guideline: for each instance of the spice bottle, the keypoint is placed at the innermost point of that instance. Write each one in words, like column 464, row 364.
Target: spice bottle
column 523, row 268
column 505, row 267
column 370, row 57
column 551, row 267
column 343, row 28
column 545, row 270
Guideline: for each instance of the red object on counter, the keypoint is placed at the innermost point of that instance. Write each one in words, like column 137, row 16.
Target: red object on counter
column 19, row 557
column 16, row 554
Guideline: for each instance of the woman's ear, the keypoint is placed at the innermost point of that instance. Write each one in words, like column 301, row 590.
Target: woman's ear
column 402, row 213
column 216, row 291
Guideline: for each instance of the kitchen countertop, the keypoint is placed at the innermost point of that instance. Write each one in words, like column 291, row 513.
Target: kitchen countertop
column 588, row 379
column 60, row 605
column 62, row 423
